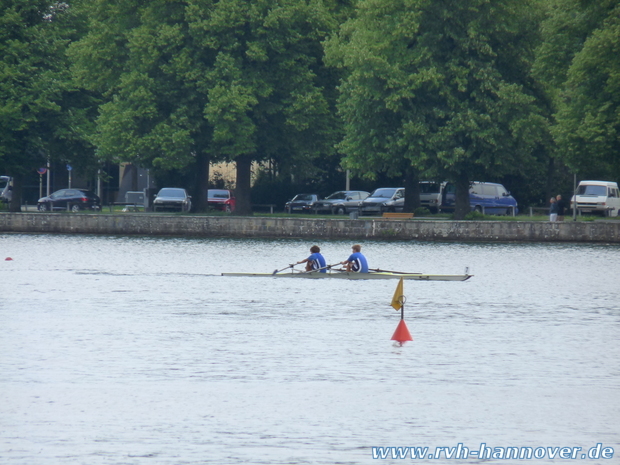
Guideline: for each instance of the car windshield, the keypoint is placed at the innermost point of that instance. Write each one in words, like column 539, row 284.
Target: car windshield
column 303, row 197
column 429, row 188
column 179, row 193
column 592, row 190
column 337, row 196
column 218, row 194
column 383, row 193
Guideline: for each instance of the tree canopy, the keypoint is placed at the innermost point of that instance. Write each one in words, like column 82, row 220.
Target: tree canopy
column 238, row 81
column 408, row 89
column 579, row 61
column 439, row 86
column 268, row 95
column 42, row 116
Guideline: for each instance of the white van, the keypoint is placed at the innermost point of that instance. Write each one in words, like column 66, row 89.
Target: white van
column 597, row 197
column 430, row 195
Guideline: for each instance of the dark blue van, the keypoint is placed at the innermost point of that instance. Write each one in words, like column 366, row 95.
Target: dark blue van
column 485, row 197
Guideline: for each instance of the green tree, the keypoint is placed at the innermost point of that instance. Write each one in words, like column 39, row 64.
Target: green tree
column 141, row 58
column 586, row 91
column 439, row 87
column 186, row 82
column 42, row 117
column 577, row 65
column 268, row 96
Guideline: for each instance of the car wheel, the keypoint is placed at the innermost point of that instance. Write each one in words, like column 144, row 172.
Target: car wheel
column 42, row 207
column 227, row 209
column 478, row 209
column 75, row 208
column 154, row 208
column 341, row 210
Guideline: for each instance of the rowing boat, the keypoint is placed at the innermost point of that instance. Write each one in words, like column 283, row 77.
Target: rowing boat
column 353, row 275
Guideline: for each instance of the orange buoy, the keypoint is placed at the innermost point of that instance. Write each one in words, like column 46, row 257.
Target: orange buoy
column 402, row 333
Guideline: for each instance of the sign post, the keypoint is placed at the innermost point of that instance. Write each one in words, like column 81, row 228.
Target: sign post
column 47, row 186
column 41, row 172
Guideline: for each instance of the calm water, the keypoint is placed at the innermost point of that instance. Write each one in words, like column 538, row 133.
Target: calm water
column 119, row 350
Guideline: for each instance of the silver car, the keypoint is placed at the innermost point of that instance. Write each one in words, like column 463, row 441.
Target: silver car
column 377, row 201
column 430, row 197
column 340, row 202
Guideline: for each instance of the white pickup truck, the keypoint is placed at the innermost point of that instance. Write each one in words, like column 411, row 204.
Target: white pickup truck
column 597, row 197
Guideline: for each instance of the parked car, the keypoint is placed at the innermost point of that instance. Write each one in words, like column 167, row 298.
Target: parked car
column 172, row 198
column 341, row 202
column 6, row 188
column 69, row 199
column 430, row 197
column 221, row 199
column 597, row 197
column 301, row 203
column 377, row 202
column 485, row 197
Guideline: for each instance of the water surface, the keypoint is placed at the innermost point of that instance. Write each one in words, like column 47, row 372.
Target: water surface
column 125, row 350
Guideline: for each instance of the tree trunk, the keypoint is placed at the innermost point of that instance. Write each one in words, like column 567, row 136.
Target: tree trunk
column 15, row 205
column 242, row 189
column 461, row 206
column 199, row 198
column 412, row 190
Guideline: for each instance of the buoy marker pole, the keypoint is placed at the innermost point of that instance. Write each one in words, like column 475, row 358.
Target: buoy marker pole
column 401, row 335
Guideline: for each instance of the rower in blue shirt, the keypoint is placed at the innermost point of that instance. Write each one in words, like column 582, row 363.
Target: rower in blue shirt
column 356, row 262
column 316, row 261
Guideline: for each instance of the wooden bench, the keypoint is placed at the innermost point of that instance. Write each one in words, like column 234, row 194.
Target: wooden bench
column 398, row 216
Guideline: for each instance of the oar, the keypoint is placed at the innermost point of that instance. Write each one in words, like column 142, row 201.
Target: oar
column 285, row 268
column 378, row 270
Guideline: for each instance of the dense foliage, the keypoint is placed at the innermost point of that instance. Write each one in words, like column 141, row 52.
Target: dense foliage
column 42, row 113
column 524, row 92
column 440, row 87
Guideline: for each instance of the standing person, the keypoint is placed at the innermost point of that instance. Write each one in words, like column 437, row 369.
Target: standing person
column 553, row 210
column 561, row 207
column 315, row 261
column 356, row 261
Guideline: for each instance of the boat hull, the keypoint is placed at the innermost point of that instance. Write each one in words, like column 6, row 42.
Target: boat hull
column 352, row 275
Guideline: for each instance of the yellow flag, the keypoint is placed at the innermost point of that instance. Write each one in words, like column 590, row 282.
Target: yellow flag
column 398, row 296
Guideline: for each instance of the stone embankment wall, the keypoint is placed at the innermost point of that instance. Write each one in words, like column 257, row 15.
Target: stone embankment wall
column 339, row 228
